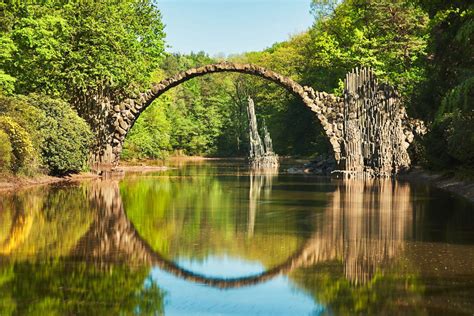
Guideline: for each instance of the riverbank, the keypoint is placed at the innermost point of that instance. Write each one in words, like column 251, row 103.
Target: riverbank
column 463, row 188
column 141, row 168
column 13, row 183
column 323, row 166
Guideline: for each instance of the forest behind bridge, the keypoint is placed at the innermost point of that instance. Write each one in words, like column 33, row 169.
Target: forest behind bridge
column 59, row 58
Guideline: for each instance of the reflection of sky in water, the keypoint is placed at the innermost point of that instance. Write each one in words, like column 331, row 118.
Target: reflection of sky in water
column 274, row 297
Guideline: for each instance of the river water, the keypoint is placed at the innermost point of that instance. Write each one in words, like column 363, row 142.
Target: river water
column 213, row 238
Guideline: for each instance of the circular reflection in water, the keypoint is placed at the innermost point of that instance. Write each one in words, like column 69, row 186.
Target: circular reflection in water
column 357, row 247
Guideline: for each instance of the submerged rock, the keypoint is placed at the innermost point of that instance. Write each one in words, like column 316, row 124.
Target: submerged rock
column 322, row 165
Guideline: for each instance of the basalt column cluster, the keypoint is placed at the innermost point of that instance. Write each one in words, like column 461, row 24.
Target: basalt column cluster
column 377, row 131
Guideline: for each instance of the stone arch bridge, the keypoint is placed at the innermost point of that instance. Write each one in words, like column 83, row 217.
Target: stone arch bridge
column 368, row 128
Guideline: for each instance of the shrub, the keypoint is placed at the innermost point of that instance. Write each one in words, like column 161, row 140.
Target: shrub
column 22, row 112
column 459, row 98
column 23, row 152
column 450, row 142
column 66, row 137
column 5, row 153
column 150, row 136
column 461, row 138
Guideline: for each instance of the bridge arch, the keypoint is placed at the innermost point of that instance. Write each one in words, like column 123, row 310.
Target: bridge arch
column 119, row 239
column 152, row 257
column 325, row 106
column 112, row 238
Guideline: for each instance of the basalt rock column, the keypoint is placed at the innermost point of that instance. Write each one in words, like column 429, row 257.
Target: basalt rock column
column 261, row 156
column 377, row 131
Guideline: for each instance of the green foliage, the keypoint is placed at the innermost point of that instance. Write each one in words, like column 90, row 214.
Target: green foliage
column 450, row 142
column 6, row 83
column 66, row 137
column 447, row 95
column 23, row 152
column 450, row 50
column 60, row 138
column 460, row 98
column 6, row 152
column 7, row 48
column 323, row 8
column 78, row 49
column 199, row 107
column 461, row 139
column 20, row 109
column 150, row 136
column 189, row 120
column 389, row 36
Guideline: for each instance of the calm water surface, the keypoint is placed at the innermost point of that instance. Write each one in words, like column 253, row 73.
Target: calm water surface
column 212, row 238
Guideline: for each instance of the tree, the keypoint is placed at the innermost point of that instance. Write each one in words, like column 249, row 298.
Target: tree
column 90, row 53
column 447, row 94
column 81, row 49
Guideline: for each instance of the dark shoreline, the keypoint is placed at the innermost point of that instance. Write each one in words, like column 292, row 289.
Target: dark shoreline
column 448, row 183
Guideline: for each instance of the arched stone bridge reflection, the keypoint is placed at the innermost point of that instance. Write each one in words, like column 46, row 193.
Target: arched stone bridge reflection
column 364, row 226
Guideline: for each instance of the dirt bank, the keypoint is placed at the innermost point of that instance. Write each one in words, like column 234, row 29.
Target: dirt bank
column 11, row 183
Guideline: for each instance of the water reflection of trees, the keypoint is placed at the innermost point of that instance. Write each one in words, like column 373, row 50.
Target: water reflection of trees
column 198, row 216
column 39, row 232
column 354, row 259
column 43, row 221
column 61, row 287
column 364, row 226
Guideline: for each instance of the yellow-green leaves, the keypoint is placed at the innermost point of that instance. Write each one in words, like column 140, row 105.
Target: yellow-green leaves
column 23, row 152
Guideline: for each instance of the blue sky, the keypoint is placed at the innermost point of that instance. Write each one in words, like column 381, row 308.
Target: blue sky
column 231, row 26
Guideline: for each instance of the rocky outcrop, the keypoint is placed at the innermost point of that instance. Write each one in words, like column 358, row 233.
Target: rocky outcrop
column 261, row 154
column 376, row 129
